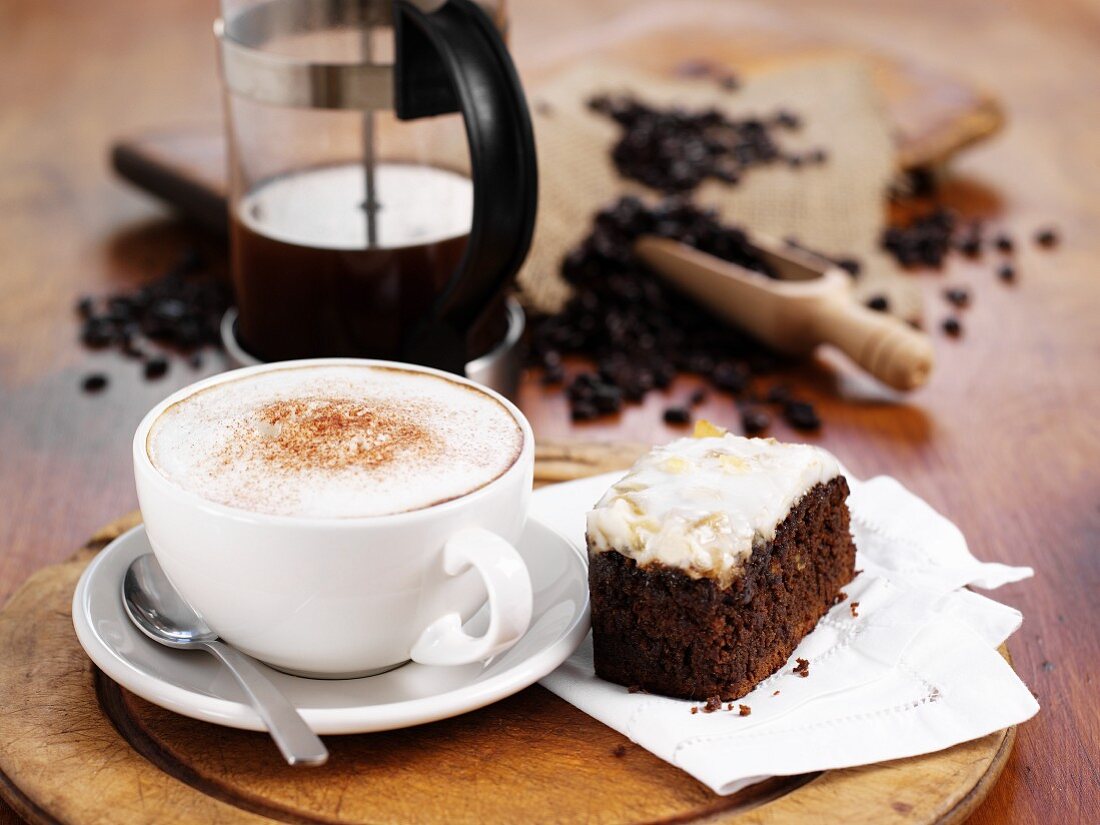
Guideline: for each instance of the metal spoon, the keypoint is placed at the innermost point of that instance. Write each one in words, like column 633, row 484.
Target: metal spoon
column 161, row 614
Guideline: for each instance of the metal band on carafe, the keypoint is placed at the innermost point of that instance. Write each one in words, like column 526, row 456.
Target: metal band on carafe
column 255, row 72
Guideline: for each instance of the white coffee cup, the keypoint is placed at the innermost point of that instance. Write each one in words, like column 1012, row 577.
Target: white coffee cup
column 346, row 597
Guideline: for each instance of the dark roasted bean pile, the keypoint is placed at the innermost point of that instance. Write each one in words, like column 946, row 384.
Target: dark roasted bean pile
column 924, row 241
column 674, row 150
column 640, row 333
column 181, row 310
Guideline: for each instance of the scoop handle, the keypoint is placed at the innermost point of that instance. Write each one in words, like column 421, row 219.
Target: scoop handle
column 882, row 344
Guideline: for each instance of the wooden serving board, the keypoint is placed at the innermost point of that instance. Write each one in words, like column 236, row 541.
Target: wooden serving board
column 76, row 748
column 934, row 115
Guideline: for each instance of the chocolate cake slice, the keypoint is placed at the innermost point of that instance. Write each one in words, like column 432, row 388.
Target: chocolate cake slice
column 711, row 560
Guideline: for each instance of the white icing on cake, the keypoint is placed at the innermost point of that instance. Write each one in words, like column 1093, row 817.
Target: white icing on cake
column 702, row 504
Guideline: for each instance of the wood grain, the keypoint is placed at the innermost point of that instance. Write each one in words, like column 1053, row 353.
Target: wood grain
column 1005, row 440
column 89, row 751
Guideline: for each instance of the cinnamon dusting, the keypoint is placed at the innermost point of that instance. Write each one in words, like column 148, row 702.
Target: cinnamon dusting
column 331, row 434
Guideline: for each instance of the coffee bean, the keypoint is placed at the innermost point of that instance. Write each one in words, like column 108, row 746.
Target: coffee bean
column 957, row 296
column 1006, row 272
column 677, row 415
column 85, row 306
column 754, row 421
column 878, row 303
column 97, row 332
column 801, row 415
column 952, row 327
column 1004, row 243
column 850, row 265
column 553, row 375
column 970, row 246
column 156, row 367
column 778, row 394
column 1047, row 237
column 787, row 119
column 584, row 411
column 608, row 399
column 94, row 382
column 731, row 377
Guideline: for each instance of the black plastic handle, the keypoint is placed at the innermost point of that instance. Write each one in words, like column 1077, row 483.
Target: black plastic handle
column 448, row 60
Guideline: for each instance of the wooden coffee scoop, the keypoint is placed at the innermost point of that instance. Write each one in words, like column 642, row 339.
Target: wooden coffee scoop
column 810, row 304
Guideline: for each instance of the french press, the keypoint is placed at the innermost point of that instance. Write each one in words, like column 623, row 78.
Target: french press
column 383, row 178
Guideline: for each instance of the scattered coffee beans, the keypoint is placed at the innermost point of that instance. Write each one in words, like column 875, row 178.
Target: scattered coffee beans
column 94, row 382
column 957, row 296
column 181, row 311
column 801, row 415
column 1007, row 273
column 952, row 327
column 1046, row 237
column 641, row 333
column 677, row 415
column 754, row 421
column 674, row 150
column 878, row 303
column 156, row 366
column 924, row 241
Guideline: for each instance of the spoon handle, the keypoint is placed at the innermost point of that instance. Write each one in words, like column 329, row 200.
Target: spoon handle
column 298, row 744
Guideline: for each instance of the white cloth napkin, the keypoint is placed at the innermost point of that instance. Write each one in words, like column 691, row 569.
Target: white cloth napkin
column 914, row 670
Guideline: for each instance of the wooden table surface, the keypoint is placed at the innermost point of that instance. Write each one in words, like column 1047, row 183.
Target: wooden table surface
column 1005, row 441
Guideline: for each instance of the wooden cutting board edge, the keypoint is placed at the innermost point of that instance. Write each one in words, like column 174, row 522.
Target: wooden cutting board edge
column 960, row 777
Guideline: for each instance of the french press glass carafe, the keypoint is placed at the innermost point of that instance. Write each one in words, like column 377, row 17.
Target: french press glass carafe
column 383, row 177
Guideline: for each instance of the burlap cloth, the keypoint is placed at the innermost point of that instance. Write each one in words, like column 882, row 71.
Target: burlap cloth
column 837, row 207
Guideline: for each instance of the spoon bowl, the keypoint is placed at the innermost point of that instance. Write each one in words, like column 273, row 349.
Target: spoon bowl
column 157, row 610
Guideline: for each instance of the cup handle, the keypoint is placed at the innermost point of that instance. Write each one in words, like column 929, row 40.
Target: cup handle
column 508, row 584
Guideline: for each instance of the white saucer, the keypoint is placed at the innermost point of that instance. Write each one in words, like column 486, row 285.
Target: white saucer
column 194, row 683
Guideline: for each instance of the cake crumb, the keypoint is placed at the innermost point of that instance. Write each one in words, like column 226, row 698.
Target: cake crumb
column 743, row 710
column 729, row 706
column 776, row 693
column 803, row 667
column 713, row 703
column 840, row 596
column 854, row 608
column 619, row 751
column 694, row 709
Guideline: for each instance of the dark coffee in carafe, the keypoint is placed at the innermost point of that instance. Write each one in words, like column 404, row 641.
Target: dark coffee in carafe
column 317, row 275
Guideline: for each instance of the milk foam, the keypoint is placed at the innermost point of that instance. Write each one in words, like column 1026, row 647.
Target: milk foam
column 334, row 441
